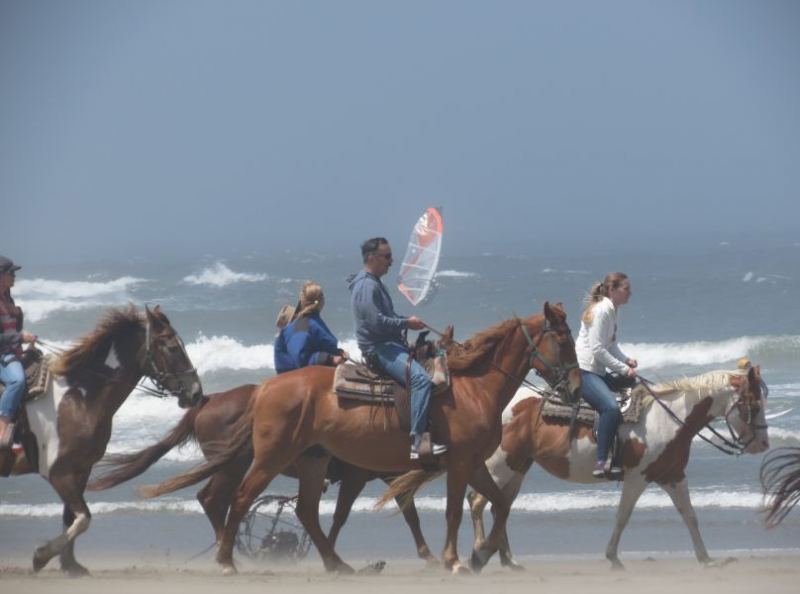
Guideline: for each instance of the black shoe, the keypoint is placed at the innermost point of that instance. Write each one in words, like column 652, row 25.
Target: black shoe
column 615, row 473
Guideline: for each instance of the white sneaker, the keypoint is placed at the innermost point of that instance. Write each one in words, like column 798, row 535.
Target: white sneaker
column 437, row 449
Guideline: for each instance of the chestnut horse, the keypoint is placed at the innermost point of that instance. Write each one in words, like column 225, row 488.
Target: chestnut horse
column 656, row 448
column 69, row 426
column 294, row 411
column 210, row 423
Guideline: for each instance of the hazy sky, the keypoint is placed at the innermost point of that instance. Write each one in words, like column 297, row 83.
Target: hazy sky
column 147, row 127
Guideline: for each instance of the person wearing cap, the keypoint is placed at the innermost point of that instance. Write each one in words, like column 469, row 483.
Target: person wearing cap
column 12, row 375
column 306, row 339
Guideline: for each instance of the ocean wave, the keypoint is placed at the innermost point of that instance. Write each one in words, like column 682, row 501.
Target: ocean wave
column 41, row 297
column 219, row 275
column 216, row 353
column 455, row 274
column 783, row 437
column 760, row 349
column 578, row 500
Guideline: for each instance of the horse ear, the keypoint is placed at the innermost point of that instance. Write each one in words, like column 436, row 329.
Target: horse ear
column 548, row 311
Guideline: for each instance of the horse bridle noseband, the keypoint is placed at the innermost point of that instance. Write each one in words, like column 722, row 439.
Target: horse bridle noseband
column 156, row 375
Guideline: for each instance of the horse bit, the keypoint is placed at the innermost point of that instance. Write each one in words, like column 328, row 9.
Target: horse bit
column 156, row 375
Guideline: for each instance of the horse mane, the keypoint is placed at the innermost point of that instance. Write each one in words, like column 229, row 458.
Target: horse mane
column 116, row 322
column 709, row 382
column 462, row 357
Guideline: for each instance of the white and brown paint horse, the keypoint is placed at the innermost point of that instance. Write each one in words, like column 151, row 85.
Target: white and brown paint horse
column 656, row 448
column 70, row 425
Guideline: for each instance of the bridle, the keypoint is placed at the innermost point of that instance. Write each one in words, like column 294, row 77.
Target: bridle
column 161, row 378
column 733, row 446
column 560, row 372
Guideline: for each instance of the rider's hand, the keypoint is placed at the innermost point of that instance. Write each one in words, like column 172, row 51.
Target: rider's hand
column 632, row 363
column 344, row 355
column 338, row 359
column 414, row 323
column 631, row 372
column 28, row 337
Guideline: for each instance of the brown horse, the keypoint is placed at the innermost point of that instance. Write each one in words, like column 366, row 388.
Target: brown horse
column 68, row 427
column 780, row 478
column 210, row 423
column 656, row 448
column 294, row 411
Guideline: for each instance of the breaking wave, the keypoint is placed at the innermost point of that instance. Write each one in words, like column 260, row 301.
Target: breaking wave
column 219, row 275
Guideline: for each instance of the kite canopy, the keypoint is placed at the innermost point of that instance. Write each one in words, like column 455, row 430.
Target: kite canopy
column 422, row 257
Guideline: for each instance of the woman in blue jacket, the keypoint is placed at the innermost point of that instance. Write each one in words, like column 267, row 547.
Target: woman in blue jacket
column 307, row 340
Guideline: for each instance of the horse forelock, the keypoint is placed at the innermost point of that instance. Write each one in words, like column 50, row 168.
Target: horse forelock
column 94, row 347
column 476, row 349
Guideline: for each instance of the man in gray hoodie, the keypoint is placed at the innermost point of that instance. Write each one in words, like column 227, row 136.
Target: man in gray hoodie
column 379, row 332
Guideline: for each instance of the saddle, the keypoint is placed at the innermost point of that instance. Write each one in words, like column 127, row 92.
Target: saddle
column 37, row 373
column 630, row 400
column 359, row 382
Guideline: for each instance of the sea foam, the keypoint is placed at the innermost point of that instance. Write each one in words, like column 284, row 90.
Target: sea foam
column 219, row 275
column 41, row 297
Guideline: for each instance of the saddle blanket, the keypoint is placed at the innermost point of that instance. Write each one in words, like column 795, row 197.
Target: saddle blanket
column 37, row 373
column 630, row 405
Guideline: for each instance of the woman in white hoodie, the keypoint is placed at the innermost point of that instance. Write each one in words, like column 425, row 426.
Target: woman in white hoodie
column 599, row 354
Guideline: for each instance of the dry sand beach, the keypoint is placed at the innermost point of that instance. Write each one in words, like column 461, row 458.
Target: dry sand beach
column 771, row 575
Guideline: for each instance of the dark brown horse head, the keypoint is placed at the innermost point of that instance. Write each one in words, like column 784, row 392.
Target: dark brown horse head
column 166, row 361
column 552, row 353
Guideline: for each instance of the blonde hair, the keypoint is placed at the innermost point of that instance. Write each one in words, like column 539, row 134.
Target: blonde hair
column 285, row 316
column 310, row 300
column 613, row 280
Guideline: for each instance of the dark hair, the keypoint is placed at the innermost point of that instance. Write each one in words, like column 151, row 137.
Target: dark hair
column 371, row 246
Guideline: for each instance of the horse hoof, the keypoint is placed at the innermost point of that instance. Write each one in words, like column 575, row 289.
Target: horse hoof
column 40, row 559
column 344, row 569
column 459, row 569
column 229, row 570
column 616, row 565
column 76, row 571
column 514, row 566
column 477, row 561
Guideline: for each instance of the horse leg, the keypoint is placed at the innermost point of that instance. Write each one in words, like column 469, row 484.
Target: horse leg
column 76, row 512
column 216, row 496
column 632, row 488
column 511, row 490
column 353, row 481
column 67, row 557
column 477, row 503
column 456, row 488
column 679, row 493
column 482, row 481
column 258, row 477
column 311, row 472
column 412, row 519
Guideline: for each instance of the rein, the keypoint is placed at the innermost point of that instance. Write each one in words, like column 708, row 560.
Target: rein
column 534, row 354
column 729, row 447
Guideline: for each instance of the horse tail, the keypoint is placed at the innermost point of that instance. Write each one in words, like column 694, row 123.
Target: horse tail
column 118, row 468
column 780, row 478
column 224, row 452
column 405, row 487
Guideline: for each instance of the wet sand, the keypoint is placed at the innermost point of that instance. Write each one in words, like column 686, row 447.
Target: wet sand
column 775, row 575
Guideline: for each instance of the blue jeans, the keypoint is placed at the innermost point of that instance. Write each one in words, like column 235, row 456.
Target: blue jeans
column 392, row 357
column 13, row 377
column 602, row 399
